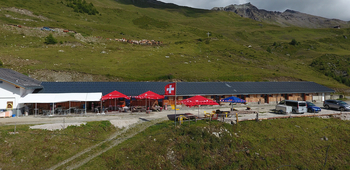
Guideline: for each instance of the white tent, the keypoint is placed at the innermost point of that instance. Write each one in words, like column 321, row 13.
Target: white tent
column 60, row 97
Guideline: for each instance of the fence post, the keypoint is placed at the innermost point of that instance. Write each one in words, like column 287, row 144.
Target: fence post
column 237, row 118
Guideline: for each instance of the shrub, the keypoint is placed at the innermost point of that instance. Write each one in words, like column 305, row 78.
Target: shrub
column 268, row 49
column 1, row 64
column 50, row 39
column 294, row 42
column 81, row 6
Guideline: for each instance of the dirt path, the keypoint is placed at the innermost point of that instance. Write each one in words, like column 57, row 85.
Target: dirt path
column 112, row 141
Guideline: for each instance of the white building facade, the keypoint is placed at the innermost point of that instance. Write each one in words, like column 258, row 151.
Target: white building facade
column 14, row 86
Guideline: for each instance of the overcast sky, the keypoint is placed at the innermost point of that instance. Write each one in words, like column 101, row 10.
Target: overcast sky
column 338, row 9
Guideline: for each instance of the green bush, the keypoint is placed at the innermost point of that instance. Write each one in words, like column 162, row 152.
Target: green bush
column 1, row 64
column 268, row 49
column 50, row 39
column 81, row 6
column 294, row 42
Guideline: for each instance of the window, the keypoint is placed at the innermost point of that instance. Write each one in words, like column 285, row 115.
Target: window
column 342, row 103
column 289, row 103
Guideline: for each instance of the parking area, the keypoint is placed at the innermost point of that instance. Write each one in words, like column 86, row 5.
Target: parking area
column 267, row 111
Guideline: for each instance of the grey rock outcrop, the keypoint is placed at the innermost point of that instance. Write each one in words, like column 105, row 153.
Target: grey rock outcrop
column 286, row 18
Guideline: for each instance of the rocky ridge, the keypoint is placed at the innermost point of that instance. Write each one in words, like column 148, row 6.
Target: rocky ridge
column 286, row 18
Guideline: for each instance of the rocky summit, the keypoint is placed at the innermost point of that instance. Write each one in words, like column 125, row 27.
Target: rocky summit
column 286, row 18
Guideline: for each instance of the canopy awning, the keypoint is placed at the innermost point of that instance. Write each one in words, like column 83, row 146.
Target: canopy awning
column 60, row 97
column 198, row 100
column 149, row 95
column 233, row 99
column 114, row 95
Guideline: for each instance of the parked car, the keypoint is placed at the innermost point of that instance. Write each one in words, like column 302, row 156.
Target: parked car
column 312, row 108
column 297, row 106
column 336, row 104
column 47, row 29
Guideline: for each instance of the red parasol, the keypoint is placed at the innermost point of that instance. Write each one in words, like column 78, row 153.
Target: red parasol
column 149, row 95
column 114, row 94
column 198, row 100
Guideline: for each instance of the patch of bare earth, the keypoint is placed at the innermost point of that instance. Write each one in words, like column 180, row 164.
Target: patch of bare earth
column 63, row 76
column 16, row 63
column 25, row 12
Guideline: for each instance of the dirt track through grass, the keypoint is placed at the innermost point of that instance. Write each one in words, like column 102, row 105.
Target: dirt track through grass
column 78, row 160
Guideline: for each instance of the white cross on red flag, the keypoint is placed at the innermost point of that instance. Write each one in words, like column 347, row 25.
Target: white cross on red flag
column 170, row 89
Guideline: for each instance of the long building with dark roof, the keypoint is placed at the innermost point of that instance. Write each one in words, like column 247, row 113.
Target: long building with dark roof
column 14, row 86
column 265, row 92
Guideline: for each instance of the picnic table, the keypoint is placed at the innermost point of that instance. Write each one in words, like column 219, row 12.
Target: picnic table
column 157, row 108
column 138, row 108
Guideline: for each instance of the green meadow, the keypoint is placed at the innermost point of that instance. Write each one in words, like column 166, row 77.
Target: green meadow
column 296, row 143
column 300, row 143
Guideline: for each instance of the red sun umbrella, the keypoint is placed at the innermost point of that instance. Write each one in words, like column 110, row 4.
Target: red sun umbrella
column 149, row 95
column 114, row 94
column 198, row 100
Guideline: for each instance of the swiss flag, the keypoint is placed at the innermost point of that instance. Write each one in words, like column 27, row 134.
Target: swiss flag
column 170, row 89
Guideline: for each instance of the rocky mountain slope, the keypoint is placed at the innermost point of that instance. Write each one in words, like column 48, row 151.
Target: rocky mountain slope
column 286, row 18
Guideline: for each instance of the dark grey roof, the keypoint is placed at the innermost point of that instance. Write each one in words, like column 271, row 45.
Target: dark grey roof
column 186, row 88
column 221, row 88
column 19, row 79
column 127, row 88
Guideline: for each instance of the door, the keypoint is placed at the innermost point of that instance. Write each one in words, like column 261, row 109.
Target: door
column 266, row 98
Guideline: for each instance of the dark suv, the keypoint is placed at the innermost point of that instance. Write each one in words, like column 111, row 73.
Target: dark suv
column 336, row 104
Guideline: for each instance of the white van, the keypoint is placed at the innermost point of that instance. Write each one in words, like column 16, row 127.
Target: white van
column 297, row 106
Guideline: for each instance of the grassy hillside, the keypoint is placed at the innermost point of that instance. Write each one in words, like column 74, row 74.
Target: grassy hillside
column 41, row 149
column 301, row 143
column 298, row 143
column 238, row 49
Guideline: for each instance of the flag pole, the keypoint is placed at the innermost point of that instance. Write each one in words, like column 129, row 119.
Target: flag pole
column 175, row 101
